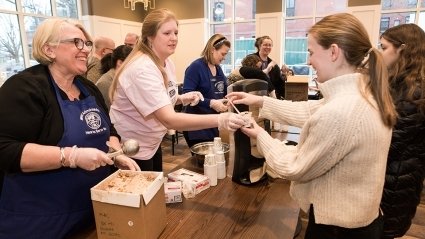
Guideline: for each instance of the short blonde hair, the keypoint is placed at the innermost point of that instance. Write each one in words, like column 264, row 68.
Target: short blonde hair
column 49, row 32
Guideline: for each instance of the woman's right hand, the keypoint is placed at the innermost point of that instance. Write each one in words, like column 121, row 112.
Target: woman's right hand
column 87, row 158
column 245, row 98
column 218, row 105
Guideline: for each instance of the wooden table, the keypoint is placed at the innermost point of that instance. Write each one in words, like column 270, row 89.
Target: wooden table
column 230, row 210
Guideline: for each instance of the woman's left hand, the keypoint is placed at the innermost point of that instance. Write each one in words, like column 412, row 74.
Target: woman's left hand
column 191, row 98
column 124, row 162
column 253, row 131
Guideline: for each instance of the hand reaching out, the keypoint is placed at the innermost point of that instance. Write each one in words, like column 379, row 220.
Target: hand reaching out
column 252, row 131
column 191, row 98
column 245, row 98
column 230, row 121
column 218, row 105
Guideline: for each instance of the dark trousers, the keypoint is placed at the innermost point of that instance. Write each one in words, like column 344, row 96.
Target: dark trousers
column 321, row 231
column 152, row 164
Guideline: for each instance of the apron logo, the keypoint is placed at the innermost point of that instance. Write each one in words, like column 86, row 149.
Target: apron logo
column 219, row 86
column 92, row 118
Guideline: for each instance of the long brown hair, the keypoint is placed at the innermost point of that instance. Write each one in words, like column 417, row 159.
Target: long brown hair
column 153, row 21
column 407, row 75
column 349, row 34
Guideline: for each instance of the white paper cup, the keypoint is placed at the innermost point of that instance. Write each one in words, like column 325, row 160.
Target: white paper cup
column 247, row 118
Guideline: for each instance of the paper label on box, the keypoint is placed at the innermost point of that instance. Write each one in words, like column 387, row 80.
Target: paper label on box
column 173, row 192
column 200, row 182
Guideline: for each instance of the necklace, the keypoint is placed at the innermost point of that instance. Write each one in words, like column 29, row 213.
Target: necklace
column 212, row 69
column 69, row 92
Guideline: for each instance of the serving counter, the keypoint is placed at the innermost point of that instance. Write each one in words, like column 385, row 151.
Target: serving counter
column 230, row 210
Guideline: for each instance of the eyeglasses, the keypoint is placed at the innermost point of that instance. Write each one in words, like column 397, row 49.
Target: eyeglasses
column 79, row 43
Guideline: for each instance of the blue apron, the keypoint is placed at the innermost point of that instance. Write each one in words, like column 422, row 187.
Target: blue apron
column 218, row 91
column 57, row 203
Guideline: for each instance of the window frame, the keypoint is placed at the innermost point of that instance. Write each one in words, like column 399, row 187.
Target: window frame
column 21, row 15
column 232, row 21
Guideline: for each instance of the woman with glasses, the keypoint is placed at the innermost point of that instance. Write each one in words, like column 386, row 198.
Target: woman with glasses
column 54, row 127
column 144, row 93
column 404, row 54
column 206, row 76
column 264, row 46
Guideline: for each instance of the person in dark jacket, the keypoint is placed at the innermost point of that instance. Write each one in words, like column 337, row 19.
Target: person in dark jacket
column 404, row 55
column 54, row 126
column 264, row 46
column 109, row 64
column 250, row 69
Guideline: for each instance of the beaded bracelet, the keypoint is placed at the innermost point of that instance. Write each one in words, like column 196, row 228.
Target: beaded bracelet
column 62, row 149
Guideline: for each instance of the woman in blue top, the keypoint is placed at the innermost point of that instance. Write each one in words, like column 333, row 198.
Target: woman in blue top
column 206, row 76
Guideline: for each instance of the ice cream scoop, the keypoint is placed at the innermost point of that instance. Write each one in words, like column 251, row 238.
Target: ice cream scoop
column 129, row 148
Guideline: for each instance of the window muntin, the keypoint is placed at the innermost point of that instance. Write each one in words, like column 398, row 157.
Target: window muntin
column 235, row 19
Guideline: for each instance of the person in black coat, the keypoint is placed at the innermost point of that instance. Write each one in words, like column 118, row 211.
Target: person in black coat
column 404, row 54
column 250, row 69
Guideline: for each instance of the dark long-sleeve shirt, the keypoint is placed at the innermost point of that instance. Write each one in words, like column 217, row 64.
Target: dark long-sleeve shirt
column 30, row 113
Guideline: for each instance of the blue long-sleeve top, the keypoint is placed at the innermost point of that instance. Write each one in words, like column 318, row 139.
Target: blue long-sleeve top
column 198, row 77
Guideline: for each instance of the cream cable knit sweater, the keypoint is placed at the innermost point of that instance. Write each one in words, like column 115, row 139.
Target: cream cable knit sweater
column 339, row 163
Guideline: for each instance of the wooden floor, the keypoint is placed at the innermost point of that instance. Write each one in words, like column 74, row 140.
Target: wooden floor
column 181, row 152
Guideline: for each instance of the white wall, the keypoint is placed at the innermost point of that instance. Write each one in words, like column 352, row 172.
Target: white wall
column 370, row 16
column 193, row 35
column 115, row 29
column 271, row 24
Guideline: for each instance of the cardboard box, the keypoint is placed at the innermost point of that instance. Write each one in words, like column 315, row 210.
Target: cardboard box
column 173, row 192
column 198, row 181
column 129, row 204
column 296, row 88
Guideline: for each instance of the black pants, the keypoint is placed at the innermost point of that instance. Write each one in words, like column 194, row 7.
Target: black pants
column 321, row 231
column 153, row 164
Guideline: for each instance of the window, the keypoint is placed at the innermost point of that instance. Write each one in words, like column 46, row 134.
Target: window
column 385, row 24
column 290, row 8
column 396, row 12
column 18, row 27
column 236, row 21
column 396, row 22
column 302, row 15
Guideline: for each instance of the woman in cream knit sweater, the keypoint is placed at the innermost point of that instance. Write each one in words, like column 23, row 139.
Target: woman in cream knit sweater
column 338, row 167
